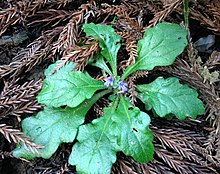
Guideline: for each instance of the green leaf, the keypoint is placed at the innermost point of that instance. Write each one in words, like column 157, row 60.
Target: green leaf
column 100, row 63
column 168, row 96
column 134, row 137
column 54, row 126
column 50, row 128
column 122, row 129
column 108, row 41
column 67, row 68
column 159, row 47
column 96, row 150
column 68, row 88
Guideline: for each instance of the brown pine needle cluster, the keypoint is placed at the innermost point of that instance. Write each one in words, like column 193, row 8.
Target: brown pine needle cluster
column 131, row 48
column 131, row 83
column 167, row 9
column 16, row 100
column 18, row 137
column 35, row 53
column 80, row 55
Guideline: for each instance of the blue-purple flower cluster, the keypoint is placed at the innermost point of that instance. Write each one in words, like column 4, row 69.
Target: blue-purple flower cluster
column 122, row 86
column 109, row 82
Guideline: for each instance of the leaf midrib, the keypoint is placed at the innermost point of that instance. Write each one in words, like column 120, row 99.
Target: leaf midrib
column 111, row 57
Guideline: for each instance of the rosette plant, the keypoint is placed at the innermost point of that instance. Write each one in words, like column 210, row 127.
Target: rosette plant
column 123, row 127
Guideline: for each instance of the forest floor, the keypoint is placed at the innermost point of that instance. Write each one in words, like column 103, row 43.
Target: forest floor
column 36, row 33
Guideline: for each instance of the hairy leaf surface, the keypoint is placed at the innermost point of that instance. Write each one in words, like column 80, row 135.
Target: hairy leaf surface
column 68, row 88
column 159, row 47
column 168, row 96
column 53, row 126
column 122, row 129
column 108, row 41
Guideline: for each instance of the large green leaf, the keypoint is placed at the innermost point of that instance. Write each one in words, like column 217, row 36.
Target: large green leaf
column 53, row 126
column 108, row 41
column 122, row 129
column 68, row 88
column 50, row 128
column 96, row 150
column 134, row 136
column 159, row 47
column 168, row 96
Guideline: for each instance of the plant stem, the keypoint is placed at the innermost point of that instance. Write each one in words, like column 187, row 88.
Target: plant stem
column 186, row 13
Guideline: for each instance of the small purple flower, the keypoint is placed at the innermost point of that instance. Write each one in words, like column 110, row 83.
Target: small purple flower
column 122, row 86
column 109, row 82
